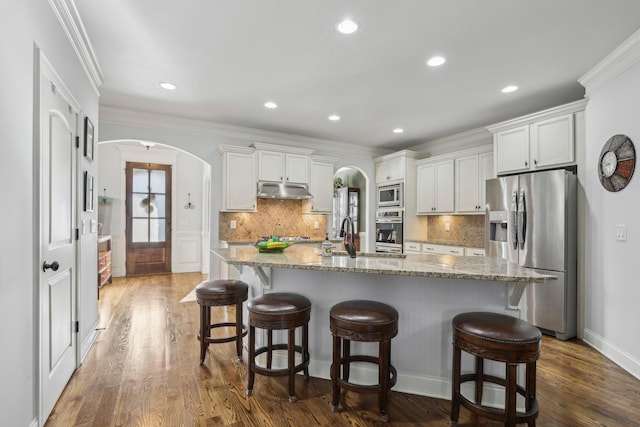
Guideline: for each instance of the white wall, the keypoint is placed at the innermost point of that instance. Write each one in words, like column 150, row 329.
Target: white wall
column 188, row 176
column 24, row 24
column 611, row 275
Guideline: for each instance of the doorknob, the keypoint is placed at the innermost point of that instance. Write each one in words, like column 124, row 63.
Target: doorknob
column 54, row 266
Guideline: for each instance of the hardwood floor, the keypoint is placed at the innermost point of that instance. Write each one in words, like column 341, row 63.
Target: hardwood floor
column 144, row 370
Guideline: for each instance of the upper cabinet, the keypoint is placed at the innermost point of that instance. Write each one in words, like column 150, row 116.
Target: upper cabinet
column 538, row 141
column 238, row 179
column 282, row 164
column 472, row 171
column 434, row 186
column 396, row 167
column 320, row 185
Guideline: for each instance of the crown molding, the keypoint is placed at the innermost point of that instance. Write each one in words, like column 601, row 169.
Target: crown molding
column 617, row 62
column 67, row 14
column 148, row 120
column 572, row 107
column 456, row 142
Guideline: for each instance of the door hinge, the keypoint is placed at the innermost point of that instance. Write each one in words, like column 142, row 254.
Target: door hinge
column 77, row 142
column 76, row 326
column 77, row 234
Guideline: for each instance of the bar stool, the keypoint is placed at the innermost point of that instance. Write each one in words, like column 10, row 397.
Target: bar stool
column 503, row 338
column 279, row 311
column 214, row 293
column 367, row 321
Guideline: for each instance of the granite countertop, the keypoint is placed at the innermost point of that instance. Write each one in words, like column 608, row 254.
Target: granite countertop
column 306, row 257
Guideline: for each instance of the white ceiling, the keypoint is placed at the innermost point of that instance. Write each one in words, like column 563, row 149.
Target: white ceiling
column 228, row 57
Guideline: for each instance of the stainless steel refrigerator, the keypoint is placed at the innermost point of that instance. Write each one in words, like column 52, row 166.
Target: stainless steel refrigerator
column 530, row 219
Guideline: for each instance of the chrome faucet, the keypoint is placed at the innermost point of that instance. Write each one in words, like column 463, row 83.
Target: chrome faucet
column 349, row 247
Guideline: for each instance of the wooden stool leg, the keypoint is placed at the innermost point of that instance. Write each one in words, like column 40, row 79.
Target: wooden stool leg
column 510, row 390
column 455, row 386
column 305, row 348
column 252, row 359
column 530, row 389
column 291, row 364
column 204, row 332
column 335, row 373
column 383, row 378
column 269, row 348
column 479, row 379
column 346, row 355
column 239, row 330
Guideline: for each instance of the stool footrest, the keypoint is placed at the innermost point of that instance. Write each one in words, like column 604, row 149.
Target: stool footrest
column 498, row 414
column 372, row 388
column 230, row 338
column 282, row 371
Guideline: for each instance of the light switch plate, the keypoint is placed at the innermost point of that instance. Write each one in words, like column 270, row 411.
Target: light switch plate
column 233, row 224
column 621, row 233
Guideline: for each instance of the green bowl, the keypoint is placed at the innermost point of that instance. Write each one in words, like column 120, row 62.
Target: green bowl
column 272, row 250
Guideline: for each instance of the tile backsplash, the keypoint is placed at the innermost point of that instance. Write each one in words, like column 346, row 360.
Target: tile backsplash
column 466, row 230
column 273, row 217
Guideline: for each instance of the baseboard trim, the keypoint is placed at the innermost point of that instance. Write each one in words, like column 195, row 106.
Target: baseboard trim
column 620, row 357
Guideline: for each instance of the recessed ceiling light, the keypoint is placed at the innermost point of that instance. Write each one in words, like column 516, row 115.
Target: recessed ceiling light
column 347, row 26
column 509, row 89
column 167, row 86
column 334, row 117
column 398, row 130
column 436, row 61
column 271, row 105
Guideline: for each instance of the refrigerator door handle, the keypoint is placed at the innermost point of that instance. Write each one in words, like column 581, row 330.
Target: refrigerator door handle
column 522, row 219
column 514, row 219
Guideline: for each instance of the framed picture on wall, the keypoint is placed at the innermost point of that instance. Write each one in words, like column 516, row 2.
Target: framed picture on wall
column 88, row 192
column 88, row 139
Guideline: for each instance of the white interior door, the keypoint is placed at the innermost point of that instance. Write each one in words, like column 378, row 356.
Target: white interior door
column 57, row 292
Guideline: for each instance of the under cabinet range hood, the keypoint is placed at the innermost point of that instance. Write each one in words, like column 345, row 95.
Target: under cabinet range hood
column 276, row 190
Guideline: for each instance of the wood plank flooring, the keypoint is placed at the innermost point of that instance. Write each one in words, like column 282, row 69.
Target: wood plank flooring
column 144, row 370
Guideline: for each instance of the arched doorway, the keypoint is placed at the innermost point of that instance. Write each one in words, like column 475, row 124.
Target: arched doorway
column 190, row 208
column 353, row 177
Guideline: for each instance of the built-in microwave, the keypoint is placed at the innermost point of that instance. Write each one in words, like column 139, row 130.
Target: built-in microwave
column 390, row 196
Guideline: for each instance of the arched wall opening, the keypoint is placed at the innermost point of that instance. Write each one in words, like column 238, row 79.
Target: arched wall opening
column 353, row 176
column 191, row 201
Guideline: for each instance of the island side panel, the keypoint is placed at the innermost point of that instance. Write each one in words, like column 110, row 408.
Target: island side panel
column 422, row 350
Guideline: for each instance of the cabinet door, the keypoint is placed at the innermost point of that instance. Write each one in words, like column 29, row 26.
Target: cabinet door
column 467, row 186
column 297, row 168
column 425, row 184
column 321, row 187
column 552, row 142
column 270, row 166
column 444, row 186
column 512, row 150
column 485, row 172
column 239, row 182
column 390, row 170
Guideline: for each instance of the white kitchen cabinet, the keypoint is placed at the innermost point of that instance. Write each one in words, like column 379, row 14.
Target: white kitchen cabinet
column 473, row 251
column 283, row 167
column 538, row 141
column 238, row 179
column 552, row 142
column 435, row 186
column 471, row 173
column 390, row 170
column 429, row 248
column 320, row 185
column 412, row 247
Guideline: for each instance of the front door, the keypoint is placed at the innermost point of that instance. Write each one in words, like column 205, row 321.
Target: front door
column 57, row 264
column 148, row 218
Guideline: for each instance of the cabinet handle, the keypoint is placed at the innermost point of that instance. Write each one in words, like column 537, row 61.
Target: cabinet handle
column 388, row 177
column 526, row 164
column 535, row 162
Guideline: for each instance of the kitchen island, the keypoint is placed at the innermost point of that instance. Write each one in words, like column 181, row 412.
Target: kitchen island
column 427, row 291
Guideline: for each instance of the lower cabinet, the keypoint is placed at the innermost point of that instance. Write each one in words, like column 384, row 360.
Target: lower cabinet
column 104, row 260
column 430, row 248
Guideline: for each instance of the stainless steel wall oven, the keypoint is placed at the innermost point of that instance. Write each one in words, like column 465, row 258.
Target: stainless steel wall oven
column 389, row 230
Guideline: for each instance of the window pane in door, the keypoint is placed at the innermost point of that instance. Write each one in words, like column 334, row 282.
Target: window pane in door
column 158, row 178
column 140, row 205
column 140, row 230
column 158, row 202
column 157, row 230
column 140, row 182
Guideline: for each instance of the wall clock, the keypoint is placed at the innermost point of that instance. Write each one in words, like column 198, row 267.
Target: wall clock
column 617, row 162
